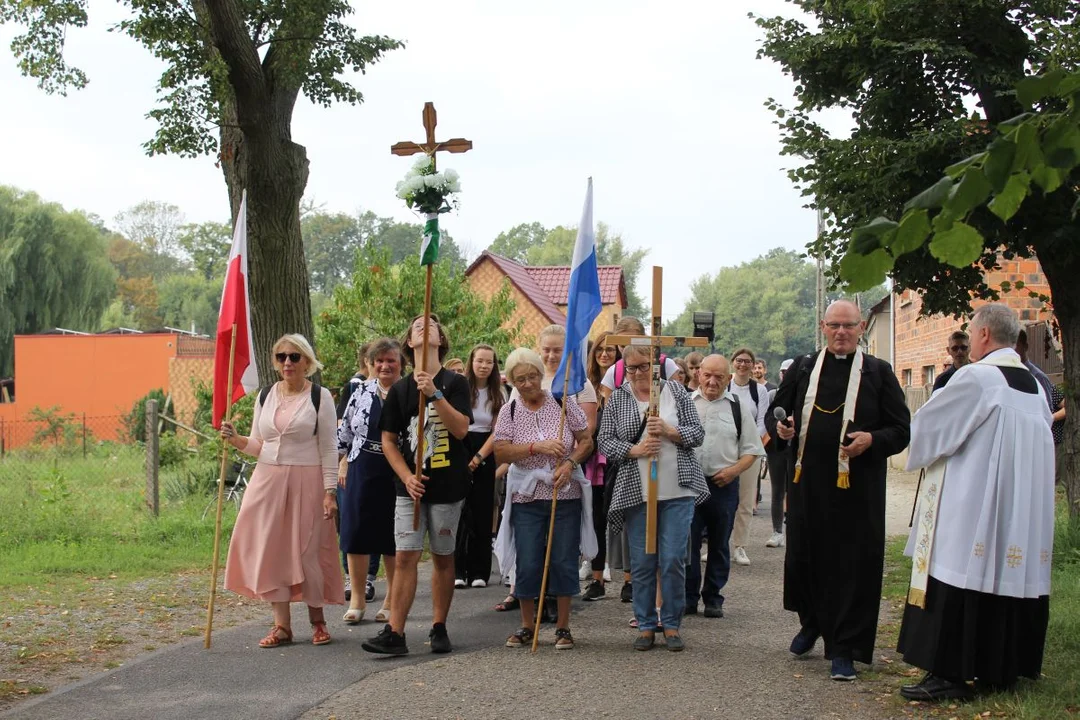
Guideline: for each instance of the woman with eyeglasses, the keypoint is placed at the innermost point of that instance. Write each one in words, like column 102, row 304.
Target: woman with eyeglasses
column 472, row 558
column 629, row 438
column 368, row 494
column 284, row 544
column 602, row 356
column 543, row 465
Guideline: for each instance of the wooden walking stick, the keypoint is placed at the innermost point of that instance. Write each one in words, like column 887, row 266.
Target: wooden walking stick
column 220, row 497
column 554, row 503
column 420, row 411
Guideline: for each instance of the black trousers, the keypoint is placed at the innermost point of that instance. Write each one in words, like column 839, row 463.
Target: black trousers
column 472, row 556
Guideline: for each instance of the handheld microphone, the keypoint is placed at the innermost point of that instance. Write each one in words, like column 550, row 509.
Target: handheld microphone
column 781, row 415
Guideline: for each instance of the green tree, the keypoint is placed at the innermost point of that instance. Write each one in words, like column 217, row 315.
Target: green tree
column 1032, row 167
column 185, row 301
column 207, row 246
column 330, row 245
column 516, row 242
column 403, row 241
column 383, row 297
column 766, row 304
column 156, row 228
column 234, row 70
column 54, row 270
column 907, row 70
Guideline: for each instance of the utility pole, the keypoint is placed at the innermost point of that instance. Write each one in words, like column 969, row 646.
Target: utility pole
column 819, row 337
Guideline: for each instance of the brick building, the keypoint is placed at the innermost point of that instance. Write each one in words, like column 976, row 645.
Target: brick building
column 920, row 342
column 541, row 292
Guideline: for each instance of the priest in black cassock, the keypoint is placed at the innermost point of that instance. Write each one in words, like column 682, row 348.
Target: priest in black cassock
column 845, row 415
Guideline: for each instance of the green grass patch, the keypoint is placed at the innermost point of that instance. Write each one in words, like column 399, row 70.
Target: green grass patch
column 64, row 516
column 1056, row 694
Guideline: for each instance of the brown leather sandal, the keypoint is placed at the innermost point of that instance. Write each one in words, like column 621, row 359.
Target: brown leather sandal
column 319, row 635
column 274, row 640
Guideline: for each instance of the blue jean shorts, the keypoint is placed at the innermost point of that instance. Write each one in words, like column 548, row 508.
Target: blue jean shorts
column 439, row 521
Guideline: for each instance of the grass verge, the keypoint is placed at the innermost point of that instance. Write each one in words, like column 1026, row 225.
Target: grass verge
column 1054, row 695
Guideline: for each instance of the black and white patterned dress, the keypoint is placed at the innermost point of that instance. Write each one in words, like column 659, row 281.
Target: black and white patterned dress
column 367, row 505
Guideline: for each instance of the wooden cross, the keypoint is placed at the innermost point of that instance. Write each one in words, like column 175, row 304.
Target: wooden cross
column 655, row 341
column 429, row 148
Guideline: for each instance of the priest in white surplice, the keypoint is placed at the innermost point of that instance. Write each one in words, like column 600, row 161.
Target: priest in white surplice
column 981, row 545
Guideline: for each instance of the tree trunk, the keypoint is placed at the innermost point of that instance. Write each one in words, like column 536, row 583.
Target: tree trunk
column 1061, row 274
column 274, row 171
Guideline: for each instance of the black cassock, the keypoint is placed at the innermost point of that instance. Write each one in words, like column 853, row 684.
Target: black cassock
column 836, row 537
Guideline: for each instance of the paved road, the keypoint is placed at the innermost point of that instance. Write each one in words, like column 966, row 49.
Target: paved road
column 737, row 666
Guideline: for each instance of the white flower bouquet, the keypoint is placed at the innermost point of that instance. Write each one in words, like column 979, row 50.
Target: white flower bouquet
column 428, row 191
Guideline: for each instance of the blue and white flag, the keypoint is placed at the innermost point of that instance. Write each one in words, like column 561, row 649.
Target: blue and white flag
column 584, row 304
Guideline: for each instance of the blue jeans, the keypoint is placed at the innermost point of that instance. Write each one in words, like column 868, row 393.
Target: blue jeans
column 673, row 518
column 530, row 523
column 716, row 516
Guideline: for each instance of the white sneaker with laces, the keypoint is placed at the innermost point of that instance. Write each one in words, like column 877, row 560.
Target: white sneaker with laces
column 459, row 583
column 776, row 540
column 585, row 570
column 739, row 556
column 478, row 583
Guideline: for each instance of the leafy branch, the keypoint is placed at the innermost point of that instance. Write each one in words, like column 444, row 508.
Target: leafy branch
column 1035, row 151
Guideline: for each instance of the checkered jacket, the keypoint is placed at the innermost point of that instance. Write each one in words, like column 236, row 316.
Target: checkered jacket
column 620, row 424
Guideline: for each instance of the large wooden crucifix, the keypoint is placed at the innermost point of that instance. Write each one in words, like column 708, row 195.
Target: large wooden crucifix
column 429, row 148
column 656, row 341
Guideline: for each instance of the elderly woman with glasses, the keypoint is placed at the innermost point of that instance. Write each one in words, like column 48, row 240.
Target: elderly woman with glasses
column 543, row 465
column 630, row 439
column 284, row 544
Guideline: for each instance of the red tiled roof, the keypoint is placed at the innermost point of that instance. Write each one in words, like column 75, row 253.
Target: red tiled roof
column 524, row 282
column 555, row 281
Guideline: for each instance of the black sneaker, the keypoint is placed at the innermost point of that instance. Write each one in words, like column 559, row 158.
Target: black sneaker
column 369, row 591
column 387, row 642
column 440, row 641
column 594, row 591
column 627, row 593
column 690, row 609
column 714, row 611
column 804, row 642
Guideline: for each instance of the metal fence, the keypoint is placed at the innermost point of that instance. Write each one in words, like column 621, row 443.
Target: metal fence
column 69, row 434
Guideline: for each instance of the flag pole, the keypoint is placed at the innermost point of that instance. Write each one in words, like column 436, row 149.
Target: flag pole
column 554, row 503
column 423, row 400
column 220, row 496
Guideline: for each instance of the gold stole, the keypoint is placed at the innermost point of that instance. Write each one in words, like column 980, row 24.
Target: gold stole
column 843, row 477
column 930, row 502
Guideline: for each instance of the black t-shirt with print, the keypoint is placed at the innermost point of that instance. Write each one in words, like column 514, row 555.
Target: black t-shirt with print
column 447, row 459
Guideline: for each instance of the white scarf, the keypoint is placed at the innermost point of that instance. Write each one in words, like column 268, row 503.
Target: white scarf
column 843, row 478
column 930, row 501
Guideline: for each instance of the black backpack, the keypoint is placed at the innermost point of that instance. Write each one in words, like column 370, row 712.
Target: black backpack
column 316, row 398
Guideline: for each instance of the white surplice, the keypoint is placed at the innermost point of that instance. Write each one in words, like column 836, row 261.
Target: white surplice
column 995, row 526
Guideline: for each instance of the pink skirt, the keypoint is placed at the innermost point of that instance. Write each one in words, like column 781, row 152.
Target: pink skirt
column 282, row 549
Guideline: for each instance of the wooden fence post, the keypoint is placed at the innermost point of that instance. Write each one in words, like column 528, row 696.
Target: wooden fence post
column 152, row 456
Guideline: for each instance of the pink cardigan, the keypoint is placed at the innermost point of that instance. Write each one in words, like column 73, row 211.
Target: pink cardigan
column 297, row 445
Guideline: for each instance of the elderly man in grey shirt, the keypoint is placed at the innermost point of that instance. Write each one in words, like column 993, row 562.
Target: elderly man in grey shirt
column 731, row 445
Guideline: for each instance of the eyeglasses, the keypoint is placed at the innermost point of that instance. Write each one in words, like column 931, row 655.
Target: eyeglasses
column 606, row 350
column 743, row 361
column 524, row 379
column 644, row 367
column 957, row 348
column 838, row 325
column 294, row 357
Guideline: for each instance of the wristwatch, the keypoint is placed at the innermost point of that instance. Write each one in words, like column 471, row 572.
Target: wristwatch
column 438, row 395
column 573, row 463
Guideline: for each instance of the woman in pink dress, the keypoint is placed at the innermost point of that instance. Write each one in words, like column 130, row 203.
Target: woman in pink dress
column 284, row 544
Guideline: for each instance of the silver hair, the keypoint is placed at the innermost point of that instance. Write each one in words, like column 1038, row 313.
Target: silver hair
column 1000, row 320
column 523, row 356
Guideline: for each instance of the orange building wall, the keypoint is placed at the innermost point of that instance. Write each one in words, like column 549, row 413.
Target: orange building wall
column 921, row 341
column 486, row 280
column 99, row 375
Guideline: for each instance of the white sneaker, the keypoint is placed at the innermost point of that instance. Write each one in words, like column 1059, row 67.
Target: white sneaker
column 739, row 556
column 777, row 540
column 585, row 570
column 607, row 573
column 459, row 583
column 478, row 583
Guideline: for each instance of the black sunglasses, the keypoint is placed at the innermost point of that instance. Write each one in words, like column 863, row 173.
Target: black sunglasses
column 295, row 357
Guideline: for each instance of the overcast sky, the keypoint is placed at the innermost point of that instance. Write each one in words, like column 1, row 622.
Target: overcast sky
column 660, row 102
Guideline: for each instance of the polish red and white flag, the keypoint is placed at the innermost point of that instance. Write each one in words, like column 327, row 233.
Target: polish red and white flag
column 235, row 311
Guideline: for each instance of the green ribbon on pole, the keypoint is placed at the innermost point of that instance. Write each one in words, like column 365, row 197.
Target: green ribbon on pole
column 429, row 250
